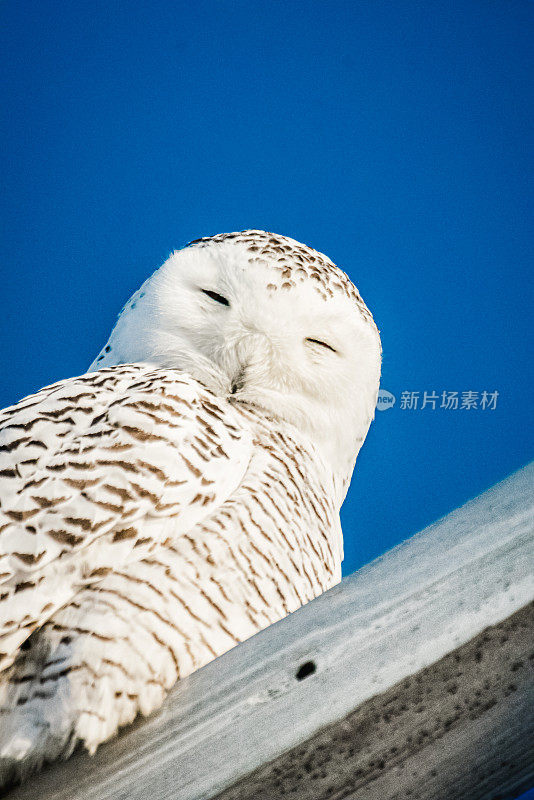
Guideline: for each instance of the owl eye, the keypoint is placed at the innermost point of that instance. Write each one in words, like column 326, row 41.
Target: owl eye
column 322, row 344
column 217, row 297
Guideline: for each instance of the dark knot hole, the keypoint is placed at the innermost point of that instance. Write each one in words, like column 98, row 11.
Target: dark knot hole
column 306, row 669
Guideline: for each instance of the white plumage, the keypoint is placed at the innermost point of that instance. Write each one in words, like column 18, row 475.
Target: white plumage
column 183, row 494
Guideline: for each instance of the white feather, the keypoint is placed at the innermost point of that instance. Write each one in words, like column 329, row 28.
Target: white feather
column 182, row 495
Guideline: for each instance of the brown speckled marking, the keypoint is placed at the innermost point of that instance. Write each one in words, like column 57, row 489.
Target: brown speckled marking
column 295, row 261
column 181, row 524
column 258, row 555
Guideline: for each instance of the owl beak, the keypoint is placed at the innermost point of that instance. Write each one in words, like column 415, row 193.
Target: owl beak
column 238, row 381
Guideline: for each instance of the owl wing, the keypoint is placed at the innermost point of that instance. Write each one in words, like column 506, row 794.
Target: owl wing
column 84, row 462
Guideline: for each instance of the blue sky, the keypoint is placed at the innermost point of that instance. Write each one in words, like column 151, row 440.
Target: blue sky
column 394, row 136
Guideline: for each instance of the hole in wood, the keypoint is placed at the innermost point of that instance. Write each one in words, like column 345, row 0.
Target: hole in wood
column 306, row 669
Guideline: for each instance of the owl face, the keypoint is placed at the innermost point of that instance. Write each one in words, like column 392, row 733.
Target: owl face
column 265, row 321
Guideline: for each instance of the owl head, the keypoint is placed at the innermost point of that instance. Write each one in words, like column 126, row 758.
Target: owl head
column 265, row 321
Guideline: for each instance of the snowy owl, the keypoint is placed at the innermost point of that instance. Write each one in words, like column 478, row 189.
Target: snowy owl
column 182, row 494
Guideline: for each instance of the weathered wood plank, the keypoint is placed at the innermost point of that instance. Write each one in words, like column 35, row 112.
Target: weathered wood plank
column 409, row 612
column 461, row 728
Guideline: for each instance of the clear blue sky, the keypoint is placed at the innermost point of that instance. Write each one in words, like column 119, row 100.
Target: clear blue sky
column 394, row 136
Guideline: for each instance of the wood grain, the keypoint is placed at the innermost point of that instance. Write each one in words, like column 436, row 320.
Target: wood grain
column 385, row 643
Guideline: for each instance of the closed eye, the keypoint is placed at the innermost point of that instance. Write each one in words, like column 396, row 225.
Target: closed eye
column 217, row 297
column 322, row 344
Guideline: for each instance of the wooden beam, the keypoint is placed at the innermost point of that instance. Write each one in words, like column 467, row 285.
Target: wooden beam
column 412, row 675
column 461, row 728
